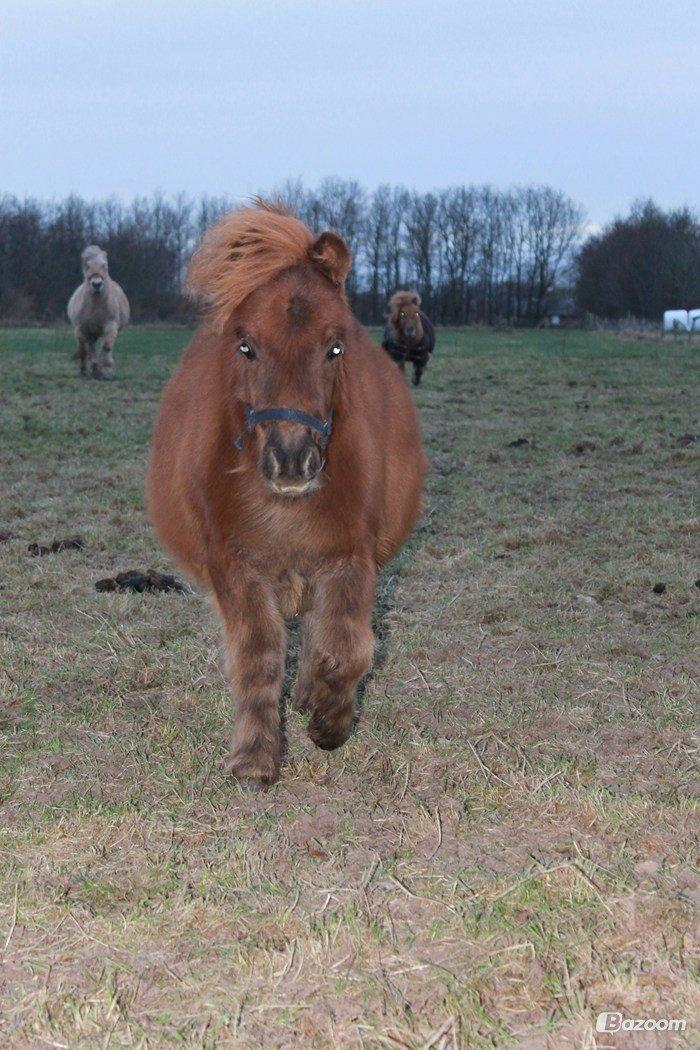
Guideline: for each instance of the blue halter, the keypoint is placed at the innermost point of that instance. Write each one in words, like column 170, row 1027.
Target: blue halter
column 290, row 415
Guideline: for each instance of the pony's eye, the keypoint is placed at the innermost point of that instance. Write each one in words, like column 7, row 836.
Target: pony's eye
column 247, row 351
column 335, row 352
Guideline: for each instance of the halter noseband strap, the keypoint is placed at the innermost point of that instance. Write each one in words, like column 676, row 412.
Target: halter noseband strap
column 290, row 415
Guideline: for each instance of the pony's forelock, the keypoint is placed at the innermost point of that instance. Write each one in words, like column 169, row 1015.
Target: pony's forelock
column 243, row 251
column 93, row 251
column 400, row 299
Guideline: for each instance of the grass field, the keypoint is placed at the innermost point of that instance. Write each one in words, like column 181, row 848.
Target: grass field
column 505, row 847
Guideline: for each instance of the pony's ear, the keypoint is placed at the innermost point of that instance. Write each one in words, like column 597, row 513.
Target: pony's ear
column 331, row 255
column 416, row 299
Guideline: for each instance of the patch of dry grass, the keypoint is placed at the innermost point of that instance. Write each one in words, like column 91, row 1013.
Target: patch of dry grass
column 508, row 843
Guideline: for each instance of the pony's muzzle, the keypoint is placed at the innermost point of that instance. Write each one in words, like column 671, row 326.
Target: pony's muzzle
column 96, row 284
column 291, row 460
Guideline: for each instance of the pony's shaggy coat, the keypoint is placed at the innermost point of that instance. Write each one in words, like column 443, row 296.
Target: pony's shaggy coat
column 276, row 306
column 97, row 314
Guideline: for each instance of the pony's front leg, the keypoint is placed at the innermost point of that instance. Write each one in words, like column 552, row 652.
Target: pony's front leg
column 254, row 652
column 91, row 358
column 106, row 356
column 81, row 352
column 337, row 649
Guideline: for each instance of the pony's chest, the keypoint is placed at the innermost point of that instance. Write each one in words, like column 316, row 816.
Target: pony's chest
column 291, row 579
column 92, row 327
column 288, row 542
column 93, row 317
column 289, row 552
column 293, row 592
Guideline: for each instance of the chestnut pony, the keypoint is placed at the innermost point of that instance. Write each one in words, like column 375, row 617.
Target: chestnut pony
column 286, row 467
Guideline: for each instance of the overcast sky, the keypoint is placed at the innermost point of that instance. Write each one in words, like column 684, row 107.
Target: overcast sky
column 598, row 98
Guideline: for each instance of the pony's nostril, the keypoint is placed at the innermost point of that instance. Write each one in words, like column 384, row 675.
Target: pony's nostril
column 271, row 466
column 310, row 462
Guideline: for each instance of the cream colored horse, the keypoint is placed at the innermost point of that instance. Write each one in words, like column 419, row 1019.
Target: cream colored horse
column 97, row 309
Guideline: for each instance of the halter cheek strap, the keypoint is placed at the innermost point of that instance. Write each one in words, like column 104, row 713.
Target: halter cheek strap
column 290, row 415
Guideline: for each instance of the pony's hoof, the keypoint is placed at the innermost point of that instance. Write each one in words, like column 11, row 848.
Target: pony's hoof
column 251, row 786
column 328, row 736
column 253, row 772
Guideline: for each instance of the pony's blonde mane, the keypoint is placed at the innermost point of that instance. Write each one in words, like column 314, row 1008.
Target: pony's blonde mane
column 243, row 251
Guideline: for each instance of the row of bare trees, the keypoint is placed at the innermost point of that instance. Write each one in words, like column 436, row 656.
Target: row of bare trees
column 476, row 254
column 473, row 252
column 641, row 265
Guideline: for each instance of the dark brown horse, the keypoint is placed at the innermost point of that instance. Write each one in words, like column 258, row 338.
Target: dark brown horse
column 409, row 334
column 286, row 467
